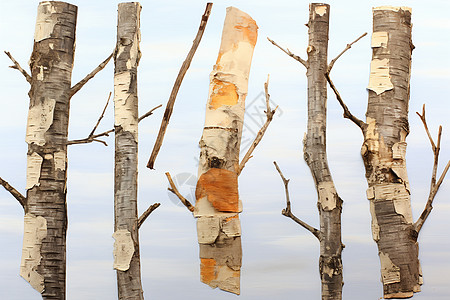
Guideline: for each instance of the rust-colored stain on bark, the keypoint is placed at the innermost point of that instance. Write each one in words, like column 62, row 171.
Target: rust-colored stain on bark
column 224, row 93
column 221, row 189
column 249, row 29
column 207, row 270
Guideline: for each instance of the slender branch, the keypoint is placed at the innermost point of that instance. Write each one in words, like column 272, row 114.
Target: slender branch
column 269, row 116
column 434, row 186
column 347, row 113
column 149, row 113
column 176, row 86
column 174, row 190
column 331, row 64
column 15, row 193
column 18, row 67
column 287, row 211
column 89, row 76
column 296, row 57
column 92, row 137
column 147, row 213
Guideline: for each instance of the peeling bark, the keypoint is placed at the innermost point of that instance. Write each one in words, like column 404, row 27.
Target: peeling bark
column 384, row 151
column 44, row 247
column 329, row 203
column 218, row 205
column 126, row 58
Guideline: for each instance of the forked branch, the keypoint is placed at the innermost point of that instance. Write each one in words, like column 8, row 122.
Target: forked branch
column 174, row 190
column 269, row 116
column 147, row 213
column 288, row 52
column 287, row 211
column 89, row 76
column 176, row 87
column 434, row 186
column 347, row 113
column 15, row 193
column 18, row 67
column 331, row 64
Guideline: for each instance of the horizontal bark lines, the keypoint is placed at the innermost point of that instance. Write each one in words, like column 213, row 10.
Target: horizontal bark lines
column 126, row 59
column 384, row 151
column 46, row 218
column 218, row 205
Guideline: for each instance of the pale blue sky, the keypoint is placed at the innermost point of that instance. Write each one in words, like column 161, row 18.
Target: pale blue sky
column 280, row 258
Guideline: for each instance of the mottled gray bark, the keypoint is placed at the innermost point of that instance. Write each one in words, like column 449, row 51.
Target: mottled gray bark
column 126, row 246
column 44, row 253
column 329, row 203
column 384, row 151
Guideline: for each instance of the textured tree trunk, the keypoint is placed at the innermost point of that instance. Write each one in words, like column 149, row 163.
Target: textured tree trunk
column 384, row 151
column 329, row 203
column 44, row 245
column 126, row 246
column 218, row 206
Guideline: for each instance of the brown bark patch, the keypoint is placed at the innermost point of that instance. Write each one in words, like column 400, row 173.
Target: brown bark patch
column 224, row 93
column 221, row 189
column 207, row 270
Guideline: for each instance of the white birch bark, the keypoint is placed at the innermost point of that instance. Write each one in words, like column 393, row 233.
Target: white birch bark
column 44, row 247
column 218, row 206
column 126, row 246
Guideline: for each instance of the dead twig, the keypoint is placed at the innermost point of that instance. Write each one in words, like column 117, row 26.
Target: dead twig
column 149, row 113
column 174, row 190
column 347, row 114
column 89, row 76
column 331, row 64
column 15, row 193
column 269, row 116
column 287, row 211
column 176, row 86
column 147, row 213
column 92, row 137
column 288, row 52
column 434, row 186
column 18, row 67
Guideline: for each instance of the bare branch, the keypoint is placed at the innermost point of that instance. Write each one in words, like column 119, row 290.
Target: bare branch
column 92, row 137
column 331, row 64
column 174, row 190
column 434, row 186
column 296, row 57
column 146, row 213
column 176, row 86
column 15, row 193
column 18, row 67
column 89, row 76
column 347, row 113
column 269, row 116
column 287, row 211
column 149, row 113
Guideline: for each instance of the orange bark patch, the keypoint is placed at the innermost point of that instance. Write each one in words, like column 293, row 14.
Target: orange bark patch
column 249, row 29
column 221, row 189
column 207, row 270
column 224, row 93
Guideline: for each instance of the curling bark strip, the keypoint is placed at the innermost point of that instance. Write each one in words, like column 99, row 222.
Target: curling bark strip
column 384, row 151
column 218, row 205
column 44, row 247
column 126, row 245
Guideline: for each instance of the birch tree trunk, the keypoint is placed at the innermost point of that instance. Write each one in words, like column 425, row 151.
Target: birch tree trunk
column 43, row 262
column 126, row 245
column 218, row 206
column 329, row 203
column 384, row 151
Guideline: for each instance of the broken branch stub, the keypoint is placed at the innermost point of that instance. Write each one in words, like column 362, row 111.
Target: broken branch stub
column 218, row 206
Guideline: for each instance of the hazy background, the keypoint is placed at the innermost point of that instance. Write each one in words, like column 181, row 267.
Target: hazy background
column 280, row 258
